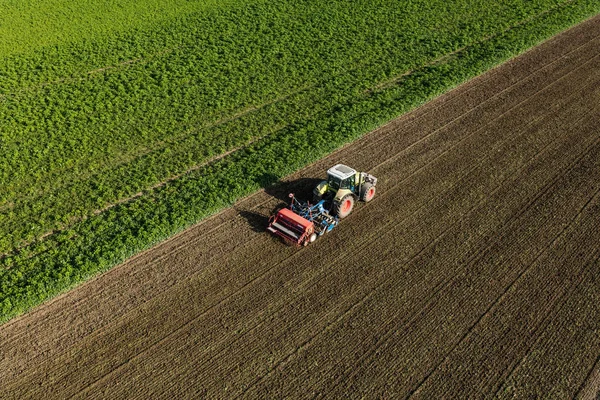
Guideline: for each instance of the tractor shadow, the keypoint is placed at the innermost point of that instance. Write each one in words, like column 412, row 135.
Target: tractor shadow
column 301, row 188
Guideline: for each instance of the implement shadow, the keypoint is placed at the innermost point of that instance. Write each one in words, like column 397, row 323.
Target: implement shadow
column 301, row 188
column 257, row 222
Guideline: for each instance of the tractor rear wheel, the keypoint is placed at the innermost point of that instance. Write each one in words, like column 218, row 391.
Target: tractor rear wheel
column 367, row 192
column 344, row 206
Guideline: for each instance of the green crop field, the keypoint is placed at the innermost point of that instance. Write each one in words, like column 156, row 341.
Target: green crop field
column 122, row 123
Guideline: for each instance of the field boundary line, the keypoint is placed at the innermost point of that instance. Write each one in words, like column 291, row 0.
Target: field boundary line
column 412, row 174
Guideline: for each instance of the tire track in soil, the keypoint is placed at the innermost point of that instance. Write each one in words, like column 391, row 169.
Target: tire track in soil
column 476, row 79
column 505, row 252
column 92, row 346
column 365, row 368
column 276, row 249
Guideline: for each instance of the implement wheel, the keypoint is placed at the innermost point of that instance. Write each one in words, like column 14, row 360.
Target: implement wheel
column 345, row 206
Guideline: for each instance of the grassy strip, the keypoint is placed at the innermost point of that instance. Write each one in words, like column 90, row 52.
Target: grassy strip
column 44, row 269
column 180, row 93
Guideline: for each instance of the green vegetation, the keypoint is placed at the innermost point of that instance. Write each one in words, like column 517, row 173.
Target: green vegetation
column 28, row 26
column 88, row 123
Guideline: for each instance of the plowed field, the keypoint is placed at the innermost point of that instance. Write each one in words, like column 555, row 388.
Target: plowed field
column 473, row 272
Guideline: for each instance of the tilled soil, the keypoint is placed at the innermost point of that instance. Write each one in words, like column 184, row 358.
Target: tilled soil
column 473, row 272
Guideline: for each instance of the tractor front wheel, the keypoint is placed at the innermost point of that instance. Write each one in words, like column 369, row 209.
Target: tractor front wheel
column 344, row 206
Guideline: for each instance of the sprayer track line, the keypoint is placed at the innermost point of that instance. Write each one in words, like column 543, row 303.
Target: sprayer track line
column 361, row 208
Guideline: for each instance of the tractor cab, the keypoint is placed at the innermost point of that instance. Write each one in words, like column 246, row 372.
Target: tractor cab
column 341, row 177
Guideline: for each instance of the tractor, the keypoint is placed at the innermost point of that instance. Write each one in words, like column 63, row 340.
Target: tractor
column 343, row 187
column 302, row 222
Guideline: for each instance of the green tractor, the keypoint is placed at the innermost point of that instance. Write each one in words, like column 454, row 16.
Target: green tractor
column 343, row 187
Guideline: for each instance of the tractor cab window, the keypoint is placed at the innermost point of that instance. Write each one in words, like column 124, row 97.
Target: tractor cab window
column 336, row 183
column 333, row 182
column 347, row 183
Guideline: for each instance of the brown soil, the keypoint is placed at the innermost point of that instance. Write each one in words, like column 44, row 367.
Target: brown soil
column 473, row 273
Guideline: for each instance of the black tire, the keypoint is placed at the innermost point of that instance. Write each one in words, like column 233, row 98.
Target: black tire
column 344, row 207
column 367, row 192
